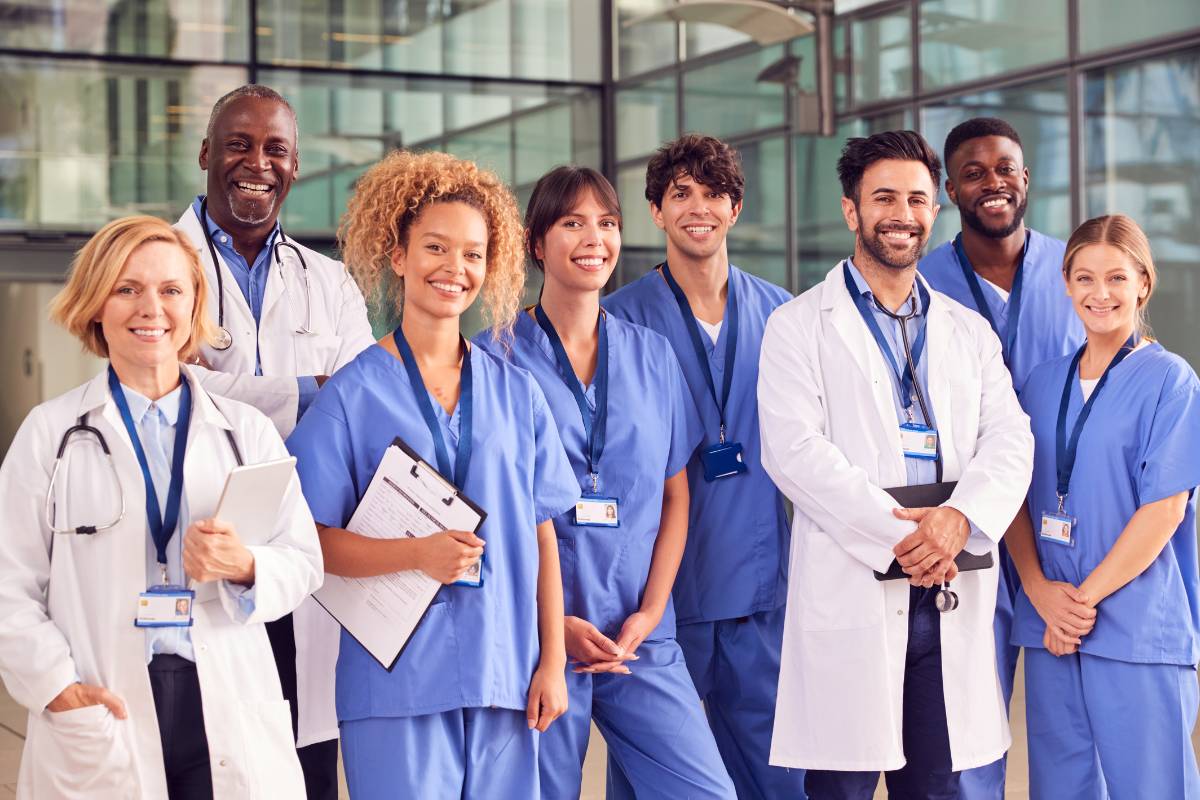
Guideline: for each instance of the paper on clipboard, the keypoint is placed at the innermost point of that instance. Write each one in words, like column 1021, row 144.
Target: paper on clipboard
column 406, row 497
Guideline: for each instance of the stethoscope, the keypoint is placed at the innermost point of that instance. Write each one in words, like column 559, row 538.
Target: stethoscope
column 81, row 427
column 224, row 339
column 946, row 600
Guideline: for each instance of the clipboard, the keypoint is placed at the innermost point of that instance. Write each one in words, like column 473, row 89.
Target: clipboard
column 407, row 496
column 923, row 496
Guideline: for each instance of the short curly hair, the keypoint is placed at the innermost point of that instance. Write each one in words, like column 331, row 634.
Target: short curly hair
column 391, row 196
column 705, row 159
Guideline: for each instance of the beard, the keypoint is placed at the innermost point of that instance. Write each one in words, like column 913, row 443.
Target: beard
column 976, row 223
column 875, row 246
column 250, row 212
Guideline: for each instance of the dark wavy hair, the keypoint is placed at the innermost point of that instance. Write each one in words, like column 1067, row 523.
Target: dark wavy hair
column 555, row 195
column 860, row 153
column 975, row 128
column 704, row 159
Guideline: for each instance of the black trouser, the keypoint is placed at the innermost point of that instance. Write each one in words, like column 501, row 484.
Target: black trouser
column 318, row 761
column 181, row 725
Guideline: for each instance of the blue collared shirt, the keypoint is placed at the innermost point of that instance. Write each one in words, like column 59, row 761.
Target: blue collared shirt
column 919, row 471
column 155, row 423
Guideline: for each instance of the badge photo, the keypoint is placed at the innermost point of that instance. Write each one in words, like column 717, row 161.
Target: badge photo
column 599, row 512
column 919, row 441
column 1058, row 528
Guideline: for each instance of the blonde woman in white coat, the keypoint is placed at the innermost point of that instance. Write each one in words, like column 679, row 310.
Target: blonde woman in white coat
column 117, row 710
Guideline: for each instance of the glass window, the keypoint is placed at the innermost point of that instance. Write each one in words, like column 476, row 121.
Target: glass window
column 646, row 117
column 349, row 122
column 758, row 242
column 882, row 49
column 116, row 140
column 726, row 98
column 213, row 31
column 822, row 238
column 964, row 40
column 643, row 245
column 1039, row 113
column 646, row 45
column 1111, row 23
column 1141, row 129
column 540, row 39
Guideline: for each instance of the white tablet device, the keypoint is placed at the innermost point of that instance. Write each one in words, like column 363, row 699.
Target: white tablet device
column 252, row 496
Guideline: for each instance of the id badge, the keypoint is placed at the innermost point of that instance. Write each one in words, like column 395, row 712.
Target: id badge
column 165, row 607
column 595, row 511
column 1058, row 528
column 919, row 441
column 473, row 577
column 722, row 461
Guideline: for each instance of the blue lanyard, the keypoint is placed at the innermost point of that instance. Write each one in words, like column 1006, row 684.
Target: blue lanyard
column 693, row 329
column 462, row 458
column 1014, row 297
column 906, row 378
column 594, row 426
column 1065, row 451
column 162, row 526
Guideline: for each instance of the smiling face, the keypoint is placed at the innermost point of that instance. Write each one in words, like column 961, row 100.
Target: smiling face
column 580, row 250
column 696, row 219
column 444, row 261
column 251, row 162
column 1107, row 288
column 147, row 317
column 988, row 181
column 894, row 213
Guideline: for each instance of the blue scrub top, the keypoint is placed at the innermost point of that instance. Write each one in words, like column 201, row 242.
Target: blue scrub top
column 653, row 429
column 735, row 563
column 1048, row 326
column 1140, row 444
column 475, row 647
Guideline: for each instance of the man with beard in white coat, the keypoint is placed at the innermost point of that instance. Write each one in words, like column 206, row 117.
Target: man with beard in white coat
column 287, row 317
column 871, row 381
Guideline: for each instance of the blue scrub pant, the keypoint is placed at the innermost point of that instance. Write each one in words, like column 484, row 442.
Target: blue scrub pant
column 734, row 665
column 1101, row 728
column 461, row 753
column 653, row 725
column 987, row 782
column 926, row 775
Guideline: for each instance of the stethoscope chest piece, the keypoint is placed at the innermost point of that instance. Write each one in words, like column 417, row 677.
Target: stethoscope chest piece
column 223, row 340
column 946, row 600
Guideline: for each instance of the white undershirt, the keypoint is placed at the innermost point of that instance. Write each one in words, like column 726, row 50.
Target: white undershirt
column 713, row 330
column 1003, row 294
column 1088, row 386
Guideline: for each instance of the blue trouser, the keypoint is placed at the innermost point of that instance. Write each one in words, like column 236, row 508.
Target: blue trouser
column 926, row 774
column 461, row 753
column 987, row 782
column 1101, row 728
column 734, row 665
column 653, row 725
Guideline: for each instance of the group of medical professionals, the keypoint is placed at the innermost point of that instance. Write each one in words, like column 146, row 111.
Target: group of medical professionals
column 633, row 453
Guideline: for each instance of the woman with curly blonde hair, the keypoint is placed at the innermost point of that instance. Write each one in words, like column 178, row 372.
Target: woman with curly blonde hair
column 428, row 233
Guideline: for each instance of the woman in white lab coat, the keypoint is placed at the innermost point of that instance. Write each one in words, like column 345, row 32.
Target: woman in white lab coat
column 117, row 709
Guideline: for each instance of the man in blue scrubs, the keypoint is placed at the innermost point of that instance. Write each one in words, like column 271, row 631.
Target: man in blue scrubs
column 731, row 585
column 1012, row 276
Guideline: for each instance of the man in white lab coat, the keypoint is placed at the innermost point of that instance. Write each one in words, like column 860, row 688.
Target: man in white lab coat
column 283, row 310
column 871, row 381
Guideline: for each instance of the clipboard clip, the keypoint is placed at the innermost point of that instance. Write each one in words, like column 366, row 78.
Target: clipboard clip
column 447, row 484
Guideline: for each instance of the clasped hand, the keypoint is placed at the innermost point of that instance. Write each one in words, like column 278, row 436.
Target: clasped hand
column 1067, row 612
column 213, row 551
column 927, row 554
column 591, row 651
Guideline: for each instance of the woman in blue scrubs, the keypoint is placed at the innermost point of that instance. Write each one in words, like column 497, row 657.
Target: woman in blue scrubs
column 453, row 717
column 618, row 400
column 1109, row 609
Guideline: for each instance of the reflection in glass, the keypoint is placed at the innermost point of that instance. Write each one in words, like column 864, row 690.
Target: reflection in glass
column 539, row 39
column 964, row 40
column 644, row 46
column 1112, row 23
column 1039, row 113
column 758, row 242
column 210, row 31
column 1142, row 158
column 349, row 122
column 882, row 49
column 646, row 117
column 117, row 140
column 725, row 99
column 639, row 229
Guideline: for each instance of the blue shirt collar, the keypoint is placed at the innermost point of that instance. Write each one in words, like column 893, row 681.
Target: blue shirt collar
column 139, row 404
column 865, row 290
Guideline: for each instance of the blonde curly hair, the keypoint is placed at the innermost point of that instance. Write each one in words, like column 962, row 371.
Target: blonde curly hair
column 390, row 197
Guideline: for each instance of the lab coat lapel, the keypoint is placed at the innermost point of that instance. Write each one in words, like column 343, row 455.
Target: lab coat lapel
column 941, row 357
column 275, row 280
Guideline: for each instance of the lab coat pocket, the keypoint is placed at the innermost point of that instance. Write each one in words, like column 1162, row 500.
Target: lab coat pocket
column 837, row 591
column 316, row 354
column 273, row 767
column 81, row 754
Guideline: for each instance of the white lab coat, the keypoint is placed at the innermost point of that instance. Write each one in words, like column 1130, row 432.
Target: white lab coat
column 68, row 601
column 830, row 440
column 341, row 331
